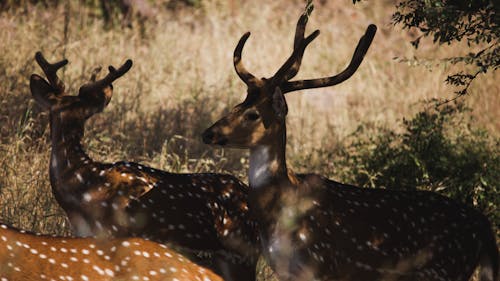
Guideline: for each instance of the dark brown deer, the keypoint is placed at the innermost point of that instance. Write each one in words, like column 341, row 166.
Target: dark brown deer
column 205, row 215
column 312, row 228
column 29, row 256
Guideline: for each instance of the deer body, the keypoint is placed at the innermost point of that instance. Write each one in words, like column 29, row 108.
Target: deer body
column 28, row 256
column 312, row 228
column 204, row 215
column 126, row 198
column 322, row 230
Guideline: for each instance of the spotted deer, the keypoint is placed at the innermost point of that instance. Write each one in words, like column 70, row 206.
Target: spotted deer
column 30, row 256
column 205, row 215
column 313, row 228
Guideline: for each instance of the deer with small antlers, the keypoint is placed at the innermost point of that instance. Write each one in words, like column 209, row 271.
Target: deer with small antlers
column 204, row 214
column 313, row 228
column 29, row 256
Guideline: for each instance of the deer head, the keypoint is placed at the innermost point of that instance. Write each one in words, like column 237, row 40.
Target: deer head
column 91, row 99
column 261, row 116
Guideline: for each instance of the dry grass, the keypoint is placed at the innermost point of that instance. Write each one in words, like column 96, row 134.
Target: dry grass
column 182, row 80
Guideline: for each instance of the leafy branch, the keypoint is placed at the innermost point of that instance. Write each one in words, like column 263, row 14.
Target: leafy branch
column 451, row 21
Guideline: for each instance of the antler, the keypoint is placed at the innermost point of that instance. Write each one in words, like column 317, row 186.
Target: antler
column 299, row 37
column 363, row 45
column 288, row 68
column 110, row 78
column 242, row 72
column 50, row 70
column 291, row 67
column 249, row 78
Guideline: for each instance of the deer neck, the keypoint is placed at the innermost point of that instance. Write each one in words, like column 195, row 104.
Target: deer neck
column 269, row 181
column 268, row 164
column 67, row 154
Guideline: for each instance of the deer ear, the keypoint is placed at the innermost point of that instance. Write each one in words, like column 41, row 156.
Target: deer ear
column 42, row 92
column 279, row 104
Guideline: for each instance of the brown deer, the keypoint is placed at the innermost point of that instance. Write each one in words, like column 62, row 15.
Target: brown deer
column 313, row 228
column 29, row 256
column 204, row 214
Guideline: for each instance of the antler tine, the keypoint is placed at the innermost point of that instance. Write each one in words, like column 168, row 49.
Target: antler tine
column 299, row 36
column 94, row 74
column 112, row 76
column 242, row 72
column 282, row 73
column 50, row 70
column 363, row 45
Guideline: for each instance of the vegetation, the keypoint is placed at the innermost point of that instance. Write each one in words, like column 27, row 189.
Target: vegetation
column 448, row 22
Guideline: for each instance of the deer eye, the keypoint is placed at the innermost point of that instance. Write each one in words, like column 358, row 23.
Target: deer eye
column 252, row 115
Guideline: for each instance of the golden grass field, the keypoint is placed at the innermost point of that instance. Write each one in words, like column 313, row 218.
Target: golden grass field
column 183, row 80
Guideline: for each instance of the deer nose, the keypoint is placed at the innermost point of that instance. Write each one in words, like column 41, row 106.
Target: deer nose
column 208, row 136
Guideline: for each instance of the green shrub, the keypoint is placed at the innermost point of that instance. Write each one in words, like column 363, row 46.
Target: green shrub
column 438, row 150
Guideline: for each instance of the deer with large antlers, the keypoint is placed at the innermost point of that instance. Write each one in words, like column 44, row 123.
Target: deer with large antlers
column 29, row 256
column 204, row 214
column 312, row 228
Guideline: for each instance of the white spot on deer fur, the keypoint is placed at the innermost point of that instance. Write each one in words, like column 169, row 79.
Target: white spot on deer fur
column 79, row 177
column 302, row 236
column 87, row 197
column 109, row 272
column 98, row 270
